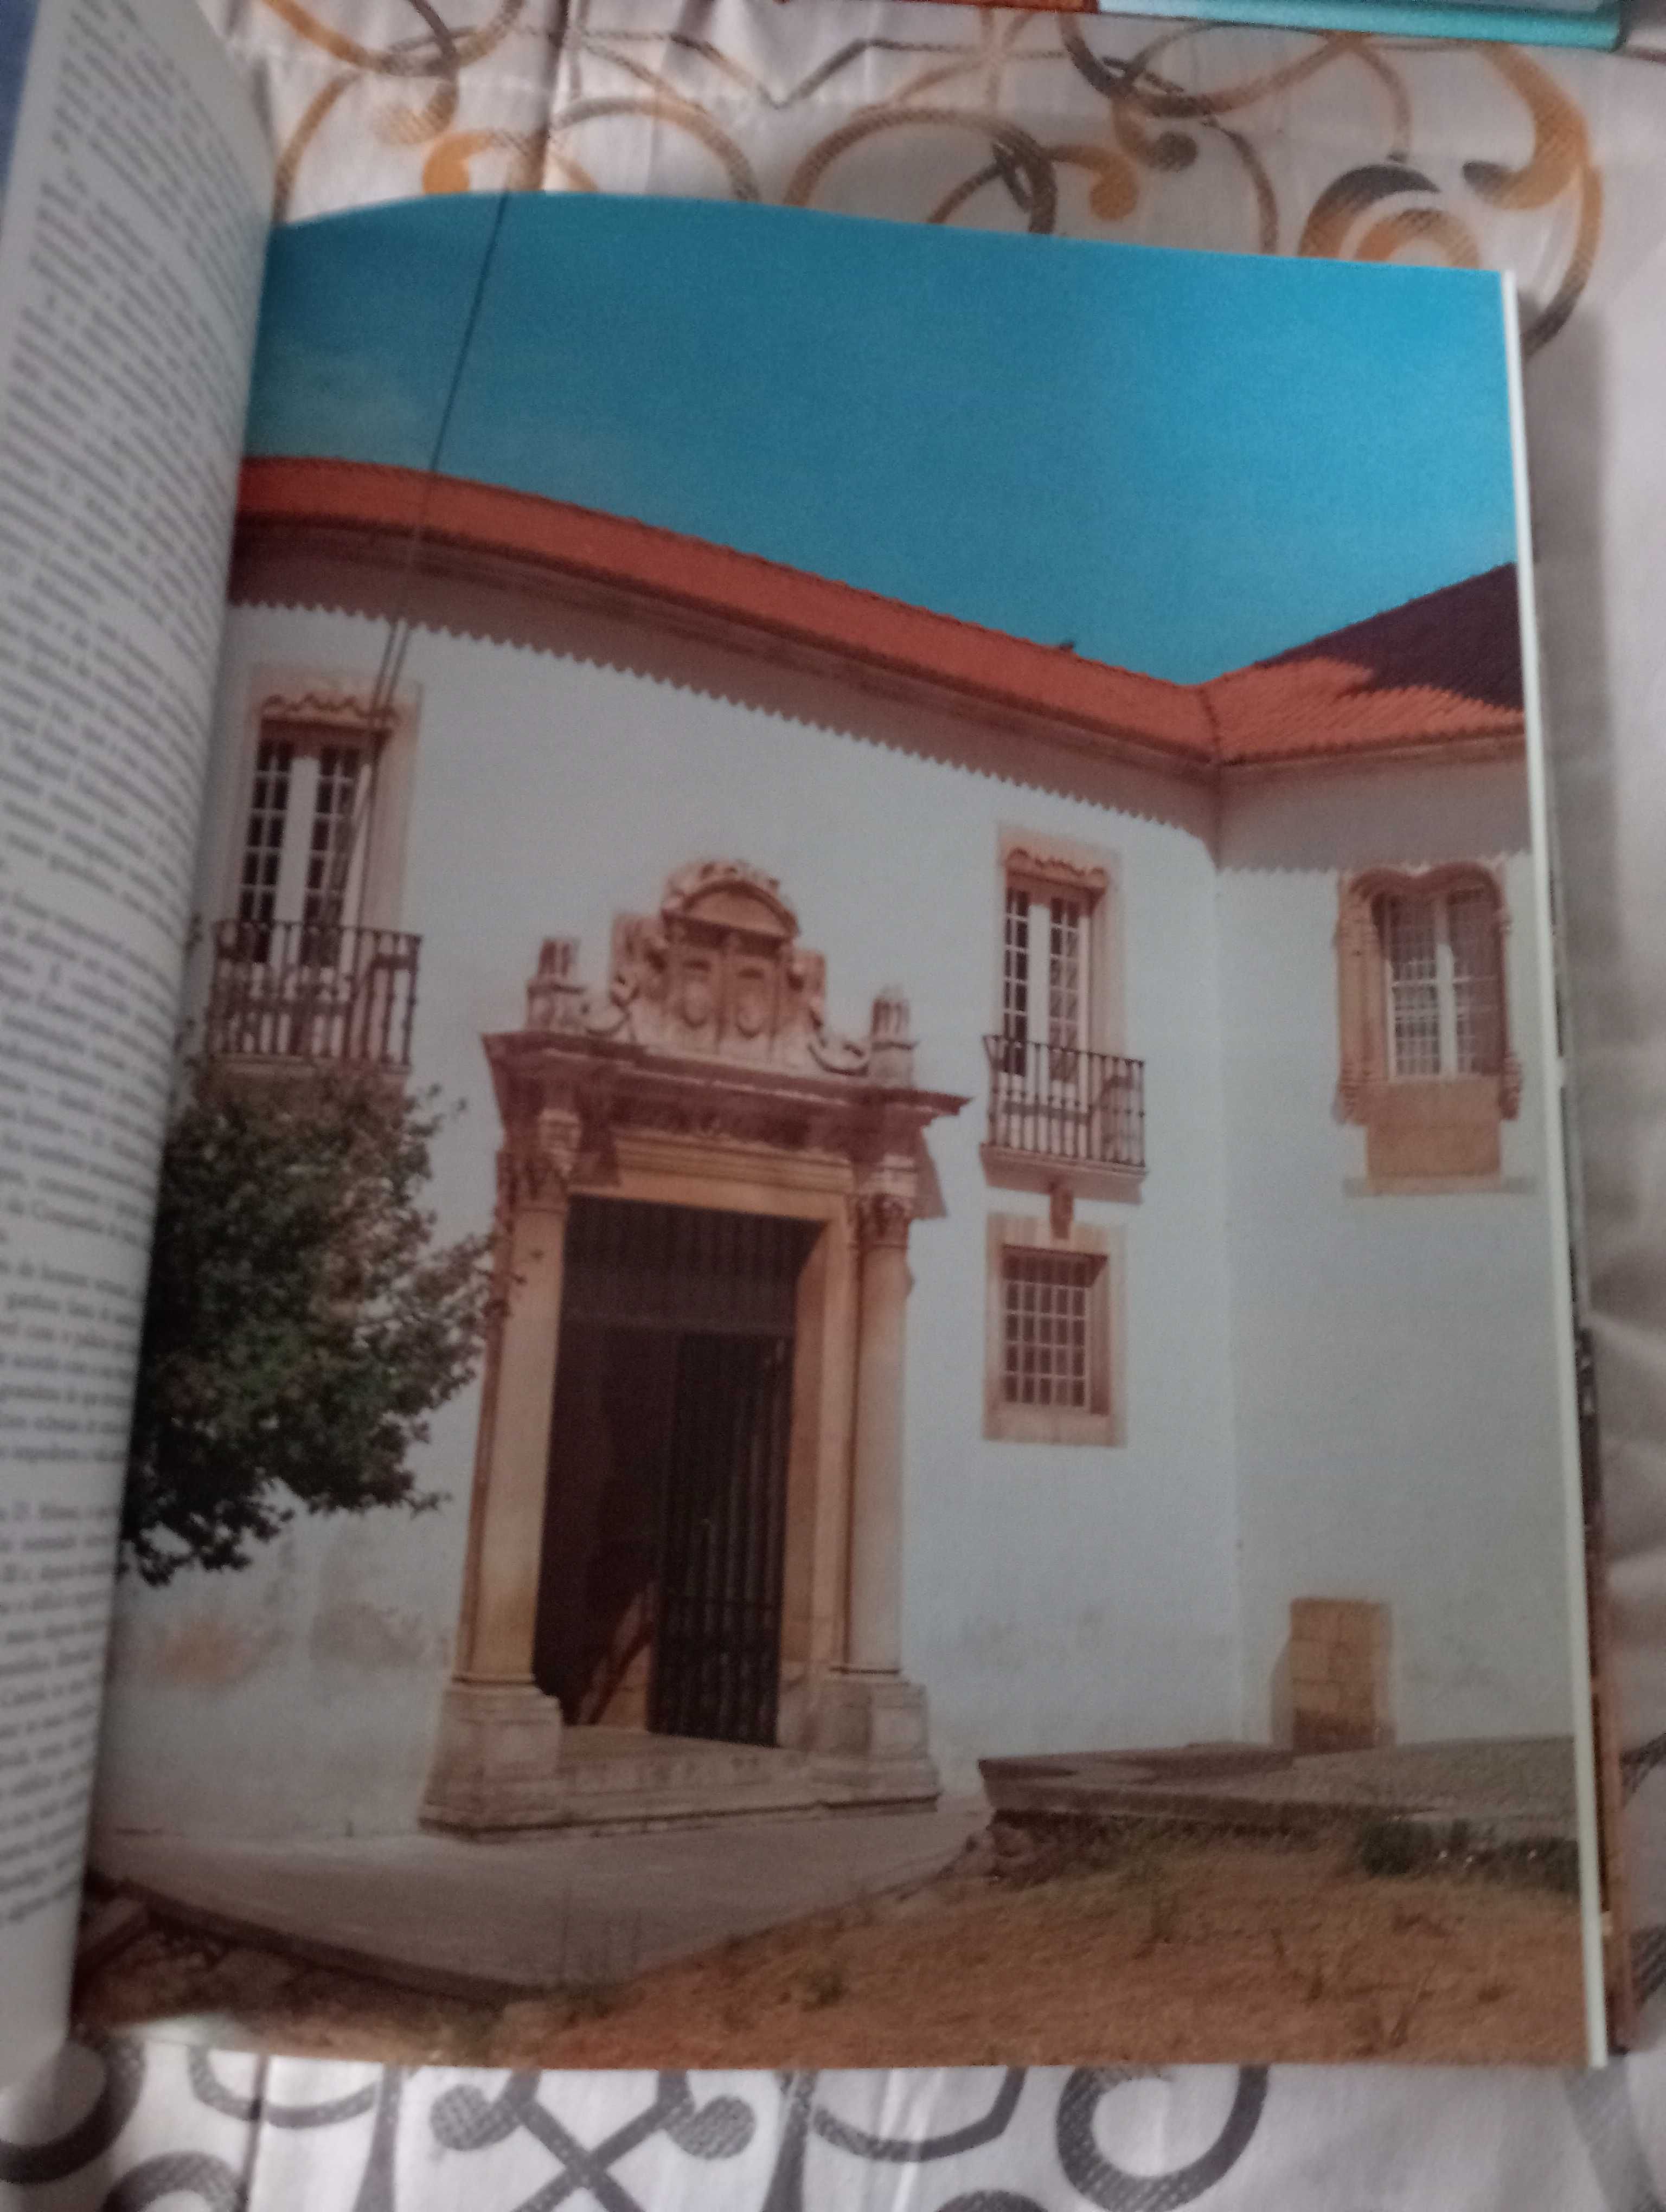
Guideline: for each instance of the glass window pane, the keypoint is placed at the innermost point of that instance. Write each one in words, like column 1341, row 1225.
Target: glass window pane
column 1015, row 966
column 1045, row 1300
column 1067, row 975
column 1407, row 926
column 331, row 852
column 263, row 837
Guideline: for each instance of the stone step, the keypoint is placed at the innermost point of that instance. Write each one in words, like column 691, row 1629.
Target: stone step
column 629, row 1777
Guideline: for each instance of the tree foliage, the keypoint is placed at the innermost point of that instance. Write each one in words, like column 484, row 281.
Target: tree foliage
column 301, row 1324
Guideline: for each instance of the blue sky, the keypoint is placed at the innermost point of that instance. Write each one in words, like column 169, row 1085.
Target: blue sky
column 1182, row 462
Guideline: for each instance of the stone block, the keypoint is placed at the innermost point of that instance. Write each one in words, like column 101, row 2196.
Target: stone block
column 1310, row 1662
column 497, row 1762
column 869, row 1739
column 1313, row 1620
column 1339, row 1674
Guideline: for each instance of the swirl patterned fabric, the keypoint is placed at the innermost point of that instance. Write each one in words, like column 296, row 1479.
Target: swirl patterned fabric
column 1173, row 134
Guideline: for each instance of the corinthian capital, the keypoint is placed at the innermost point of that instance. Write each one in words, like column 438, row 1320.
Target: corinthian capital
column 882, row 1217
column 535, row 1168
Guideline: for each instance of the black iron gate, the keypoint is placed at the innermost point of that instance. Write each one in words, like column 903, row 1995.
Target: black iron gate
column 717, row 1626
column 725, row 1286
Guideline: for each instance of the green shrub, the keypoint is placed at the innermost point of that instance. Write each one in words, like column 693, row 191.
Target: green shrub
column 301, row 1325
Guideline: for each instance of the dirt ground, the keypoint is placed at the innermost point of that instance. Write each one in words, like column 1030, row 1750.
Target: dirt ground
column 1180, row 1950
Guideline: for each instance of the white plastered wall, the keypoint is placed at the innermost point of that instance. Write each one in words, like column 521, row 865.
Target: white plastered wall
column 1054, row 1595
column 1394, row 1355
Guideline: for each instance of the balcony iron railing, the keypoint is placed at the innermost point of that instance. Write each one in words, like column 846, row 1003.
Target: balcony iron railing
column 1061, row 1102
column 299, row 990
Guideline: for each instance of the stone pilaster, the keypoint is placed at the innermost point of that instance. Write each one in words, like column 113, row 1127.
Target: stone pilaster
column 876, row 1499
column 495, row 1761
column 870, row 1733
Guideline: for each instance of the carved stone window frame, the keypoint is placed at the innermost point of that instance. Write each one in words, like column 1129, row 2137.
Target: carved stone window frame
column 311, row 698
column 1104, row 1420
column 1423, row 1133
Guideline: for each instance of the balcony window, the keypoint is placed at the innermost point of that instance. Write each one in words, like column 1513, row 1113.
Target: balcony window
column 308, row 962
column 1066, row 1104
column 304, row 837
column 1046, row 962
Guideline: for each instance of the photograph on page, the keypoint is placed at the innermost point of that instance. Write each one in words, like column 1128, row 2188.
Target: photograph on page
column 859, row 1348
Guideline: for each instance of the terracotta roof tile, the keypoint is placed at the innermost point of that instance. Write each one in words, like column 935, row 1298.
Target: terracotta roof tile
column 1393, row 684
column 1437, row 670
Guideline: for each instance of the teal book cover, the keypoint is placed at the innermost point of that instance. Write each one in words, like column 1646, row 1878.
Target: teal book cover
column 1406, row 19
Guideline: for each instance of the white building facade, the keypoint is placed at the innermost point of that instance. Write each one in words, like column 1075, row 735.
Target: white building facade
column 1089, row 1132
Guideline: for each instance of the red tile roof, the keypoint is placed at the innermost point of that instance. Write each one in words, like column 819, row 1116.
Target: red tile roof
column 1434, row 676
column 1439, row 669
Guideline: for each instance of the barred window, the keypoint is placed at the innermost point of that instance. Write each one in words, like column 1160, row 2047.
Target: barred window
column 1410, row 959
column 1046, row 1301
column 1443, row 974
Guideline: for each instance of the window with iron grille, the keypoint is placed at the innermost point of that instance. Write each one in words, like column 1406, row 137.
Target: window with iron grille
column 1054, row 1338
column 1443, row 976
column 1047, row 1298
column 1426, row 1065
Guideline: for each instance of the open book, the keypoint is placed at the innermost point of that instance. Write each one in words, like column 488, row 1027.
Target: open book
column 784, row 1192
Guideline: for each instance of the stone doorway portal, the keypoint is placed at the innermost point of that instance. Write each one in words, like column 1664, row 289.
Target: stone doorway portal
column 702, row 1094
column 661, row 1582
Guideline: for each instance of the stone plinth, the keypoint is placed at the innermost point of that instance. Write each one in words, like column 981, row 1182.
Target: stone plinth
column 497, row 1763
column 1340, row 1696
column 870, row 1741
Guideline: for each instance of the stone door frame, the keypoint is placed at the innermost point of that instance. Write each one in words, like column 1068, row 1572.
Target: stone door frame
column 786, row 1120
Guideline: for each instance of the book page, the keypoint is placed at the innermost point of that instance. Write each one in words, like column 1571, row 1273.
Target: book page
column 133, row 230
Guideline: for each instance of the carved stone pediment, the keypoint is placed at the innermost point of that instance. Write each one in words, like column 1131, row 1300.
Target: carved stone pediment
column 727, row 894
column 718, row 972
